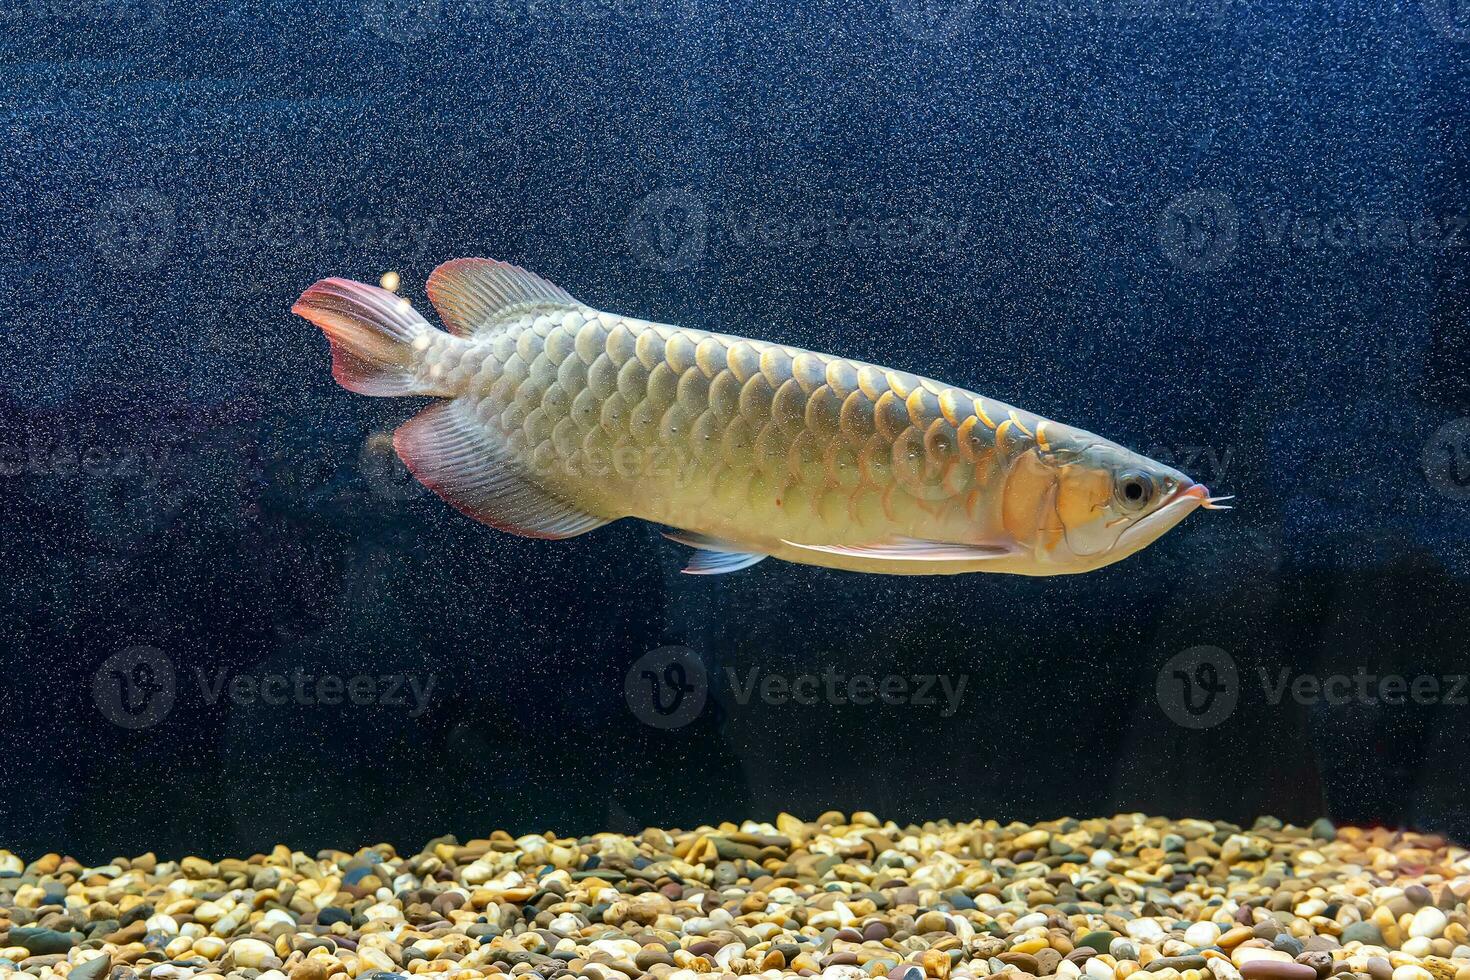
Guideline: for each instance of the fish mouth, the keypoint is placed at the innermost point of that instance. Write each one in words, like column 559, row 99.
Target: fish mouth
column 1178, row 506
column 1206, row 500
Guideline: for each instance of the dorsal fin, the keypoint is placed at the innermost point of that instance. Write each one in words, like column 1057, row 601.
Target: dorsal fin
column 474, row 295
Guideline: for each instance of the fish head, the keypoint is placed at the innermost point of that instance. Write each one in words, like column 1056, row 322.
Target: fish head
column 1107, row 501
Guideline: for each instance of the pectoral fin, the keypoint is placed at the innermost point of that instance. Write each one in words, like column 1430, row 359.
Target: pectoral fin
column 914, row 549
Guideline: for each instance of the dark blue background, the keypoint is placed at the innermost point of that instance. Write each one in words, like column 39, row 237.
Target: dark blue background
column 1230, row 235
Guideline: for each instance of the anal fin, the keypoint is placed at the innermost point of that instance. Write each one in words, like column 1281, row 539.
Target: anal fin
column 913, row 549
column 713, row 556
column 451, row 453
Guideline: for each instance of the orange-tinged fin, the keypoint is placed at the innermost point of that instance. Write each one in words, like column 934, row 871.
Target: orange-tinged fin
column 713, row 556
column 371, row 331
column 451, row 453
column 914, row 549
column 476, row 295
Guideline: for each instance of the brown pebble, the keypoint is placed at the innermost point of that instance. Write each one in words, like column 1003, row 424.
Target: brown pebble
column 1276, row 970
column 1418, row 895
column 1379, row 968
column 1234, row 937
column 133, row 932
column 650, row 956
column 1024, row 962
column 310, row 968
column 1180, row 963
column 1319, row 960
column 935, row 963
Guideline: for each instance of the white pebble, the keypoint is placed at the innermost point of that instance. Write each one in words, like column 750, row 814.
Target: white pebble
column 250, row 953
column 1100, row 859
column 1031, row 921
column 1411, row 972
column 276, row 917
column 1146, row 930
column 618, row 949
column 165, row 924
column 1098, row 970
column 383, row 910
column 1420, row 946
column 1202, row 934
column 1429, row 923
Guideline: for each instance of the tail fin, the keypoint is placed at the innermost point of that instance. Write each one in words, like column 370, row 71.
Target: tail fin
column 373, row 334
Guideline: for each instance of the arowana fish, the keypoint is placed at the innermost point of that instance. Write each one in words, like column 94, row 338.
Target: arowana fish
column 560, row 418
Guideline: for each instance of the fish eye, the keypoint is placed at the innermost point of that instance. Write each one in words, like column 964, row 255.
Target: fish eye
column 1134, row 490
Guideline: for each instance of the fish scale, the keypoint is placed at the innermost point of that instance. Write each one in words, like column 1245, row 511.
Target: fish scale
column 719, row 434
column 559, row 418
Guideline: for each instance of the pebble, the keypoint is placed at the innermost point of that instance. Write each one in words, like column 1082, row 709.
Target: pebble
column 41, row 941
column 1253, row 954
column 1362, row 932
column 250, row 953
column 846, row 897
column 1202, row 934
column 1429, row 922
column 93, row 969
column 1288, row 944
column 1264, row 969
